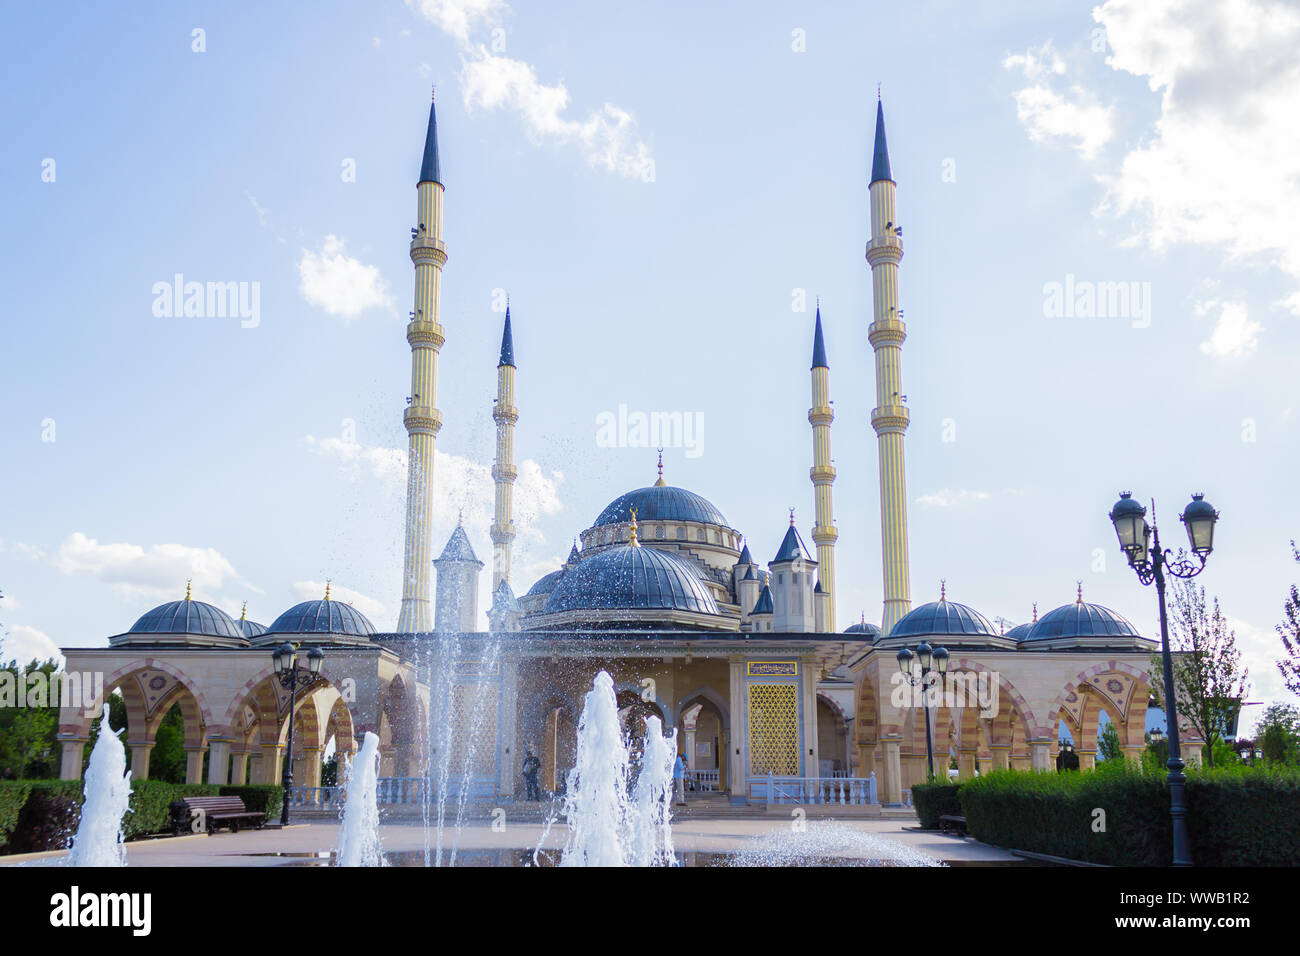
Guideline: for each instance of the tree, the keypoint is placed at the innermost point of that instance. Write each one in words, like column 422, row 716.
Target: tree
column 1108, row 744
column 28, row 747
column 1209, row 678
column 1289, row 631
column 1278, row 734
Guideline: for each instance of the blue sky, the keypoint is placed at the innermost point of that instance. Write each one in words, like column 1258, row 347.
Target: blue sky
column 658, row 188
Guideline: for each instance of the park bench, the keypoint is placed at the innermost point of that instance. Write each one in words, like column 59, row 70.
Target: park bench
column 213, row 811
column 951, row 822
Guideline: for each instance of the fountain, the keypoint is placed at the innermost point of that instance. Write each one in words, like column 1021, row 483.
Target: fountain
column 607, row 826
column 652, row 832
column 359, row 831
column 107, row 799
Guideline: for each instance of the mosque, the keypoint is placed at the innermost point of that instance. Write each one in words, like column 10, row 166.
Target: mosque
column 743, row 656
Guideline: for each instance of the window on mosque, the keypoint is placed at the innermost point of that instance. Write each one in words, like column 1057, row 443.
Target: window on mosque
column 681, row 534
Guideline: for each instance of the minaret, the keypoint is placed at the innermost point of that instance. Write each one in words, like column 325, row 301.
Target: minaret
column 422, row 418
column 505, row 414
column 824, row 534
column 889, row 418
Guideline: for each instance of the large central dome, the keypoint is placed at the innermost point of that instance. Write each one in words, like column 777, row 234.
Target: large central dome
column 661, row 503
column 631, row 577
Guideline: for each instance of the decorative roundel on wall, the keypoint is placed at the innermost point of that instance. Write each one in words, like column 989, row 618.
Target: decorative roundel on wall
column 1072, row 698
column 1114, row 686
column 157, row 682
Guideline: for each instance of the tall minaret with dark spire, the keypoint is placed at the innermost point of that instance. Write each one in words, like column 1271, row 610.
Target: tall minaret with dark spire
column 824, row 534
column 422, row 418
column 505, row 414
column 890, row 417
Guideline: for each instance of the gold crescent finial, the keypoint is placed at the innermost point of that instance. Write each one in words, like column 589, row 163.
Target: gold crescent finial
column 1035, row 612
column 327, row 589
column 943, row 590
column 187, row 588
column 660, row 482
column 243, row 612
column 632, row 541
column 1080, row 597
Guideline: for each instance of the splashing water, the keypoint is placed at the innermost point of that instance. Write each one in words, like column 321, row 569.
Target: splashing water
column 359, row 831
column 652, row 832
column 107, row 799
column 607, row 827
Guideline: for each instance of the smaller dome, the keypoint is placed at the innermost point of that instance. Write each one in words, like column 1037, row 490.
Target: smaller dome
column 1018, row 632
column 250, row 628
column 1080, row 619
column 188, row 617
column 322, row 617
column 943, row 617
column 631, row 577
column 546, row 583
column 863, row 627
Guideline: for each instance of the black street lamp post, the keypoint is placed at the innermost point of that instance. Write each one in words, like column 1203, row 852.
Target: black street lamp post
column 285, row 659
column 924, row 655
column 1140, row 542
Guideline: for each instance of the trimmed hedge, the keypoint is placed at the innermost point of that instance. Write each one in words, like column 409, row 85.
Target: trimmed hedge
column 1236, row 816
column 935, row 800
column 1244, row 816
column 50, row 810
column 267, row 797
column 13, row 794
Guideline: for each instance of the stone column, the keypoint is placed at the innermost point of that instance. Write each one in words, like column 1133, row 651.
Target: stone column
column 219, row 760
column 311, row 766
column 194, row 764
column 1193, row 756
column 1135, row 753
column 890, row 782
column 140, row 752
column 1087, row 759
column 1040, row 755
column 74, row 749
column 965, row 765
column 239, row 768
column 1001, row 758
column 809, row 755
column 737, row 751
column 512, row 758
column 256, row 768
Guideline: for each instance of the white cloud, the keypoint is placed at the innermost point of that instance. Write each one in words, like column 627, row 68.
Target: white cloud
column 1222, row 164
column 457, row 18
column 1234, row 335
column 25, row 644
column 952, row 497
column 339, row 283
column 608, row 137
column 10, row 603
column 462, row 488
column 158, row 572
column 315, row 590
column 1049, row 115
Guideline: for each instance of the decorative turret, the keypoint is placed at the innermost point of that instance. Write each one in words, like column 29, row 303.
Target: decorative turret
column 793, row 573
column 822, row 474
column 458, row 569
column 761, row 618
column 504, row 473
column 422, row 418
column 890, row 416
column 745, row 583
column 504, row 613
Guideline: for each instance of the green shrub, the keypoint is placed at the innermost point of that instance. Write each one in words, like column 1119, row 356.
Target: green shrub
column 1236, row 816
column 934, row 800
column 1055, row 813
column 13, row 794
column 269, row 798
column 151, row 802
column 1244, row 816
column 49, row 818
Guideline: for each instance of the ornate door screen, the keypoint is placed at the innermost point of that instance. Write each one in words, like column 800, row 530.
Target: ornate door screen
column 773, row 729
